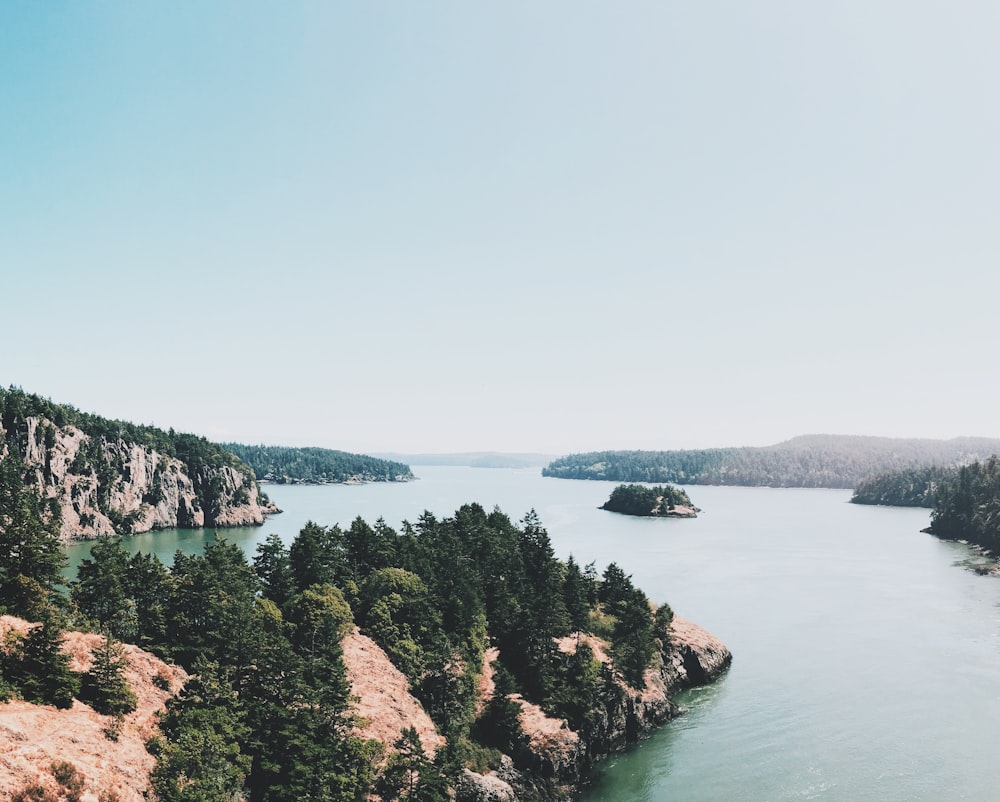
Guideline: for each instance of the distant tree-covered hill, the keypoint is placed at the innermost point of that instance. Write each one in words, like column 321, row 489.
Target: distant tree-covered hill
column 284, row 464
column 474, row 459
column 912, row 487
column 807, row 461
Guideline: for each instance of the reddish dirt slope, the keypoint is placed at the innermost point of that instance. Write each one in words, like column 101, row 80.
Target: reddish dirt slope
column 33, row 736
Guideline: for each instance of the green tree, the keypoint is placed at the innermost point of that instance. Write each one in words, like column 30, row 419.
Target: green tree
column 211, row 605
column 198, row 754
column 576, row 596
column 369, row 549
column 40, row 669
column 576, row 686
column 397, row 611
column 317, row 556
column 274, row 568
column 100, row 591
column 499, row 725
column 409, row 774
column 105, row 687
column 151, row 587
column 31, row 556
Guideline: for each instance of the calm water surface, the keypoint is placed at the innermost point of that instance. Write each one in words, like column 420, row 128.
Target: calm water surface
column 867, row 660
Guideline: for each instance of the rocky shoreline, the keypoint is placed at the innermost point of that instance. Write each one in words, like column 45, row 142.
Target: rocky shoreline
column 557, row 760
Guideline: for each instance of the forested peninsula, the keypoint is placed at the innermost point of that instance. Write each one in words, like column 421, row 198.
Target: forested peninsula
column 967, row 505
column 836, row 461
column 965, row 499
column 913, row 487
column 453, row 658
column 96, row 477
column 651, row 502
column 289, row 465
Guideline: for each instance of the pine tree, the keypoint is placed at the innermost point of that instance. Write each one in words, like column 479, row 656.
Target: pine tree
column 40, row 669
column 105, row 687
column 274, row 568
column 100, row 590
column 31, row 557
column 199, row 758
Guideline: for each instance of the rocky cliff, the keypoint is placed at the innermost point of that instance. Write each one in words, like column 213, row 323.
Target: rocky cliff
column 556, row 759
column 108, row 477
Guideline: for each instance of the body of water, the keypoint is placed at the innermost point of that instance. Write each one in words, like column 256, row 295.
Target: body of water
column 866, row 658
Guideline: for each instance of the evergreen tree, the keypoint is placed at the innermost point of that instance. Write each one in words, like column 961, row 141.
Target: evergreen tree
column 409, row 774
column 274, row 569
column 499, row 725
column 31, row 557
column 576, row 596
column 40, row 669
column 317, row 556
column 100, row 591
column 105, row 687
column 150, row 586
column 199, row 758
column 369, row 549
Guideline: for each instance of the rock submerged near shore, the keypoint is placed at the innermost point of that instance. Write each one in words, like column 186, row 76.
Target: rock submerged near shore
column 558, row 760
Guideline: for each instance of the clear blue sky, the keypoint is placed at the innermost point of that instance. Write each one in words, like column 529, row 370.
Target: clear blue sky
column 554, row 226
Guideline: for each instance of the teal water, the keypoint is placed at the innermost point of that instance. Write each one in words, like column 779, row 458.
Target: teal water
column 867, row 659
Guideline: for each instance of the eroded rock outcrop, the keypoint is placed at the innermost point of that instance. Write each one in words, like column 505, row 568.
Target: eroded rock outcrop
column 556, row 759
column 108, row 485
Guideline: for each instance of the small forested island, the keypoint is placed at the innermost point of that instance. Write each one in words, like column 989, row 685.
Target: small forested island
column 664, row 501
column 454, row 658
column 101, row 477
column 837, row 461
column 289, row 465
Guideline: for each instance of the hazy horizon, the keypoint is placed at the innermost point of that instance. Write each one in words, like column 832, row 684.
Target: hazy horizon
column 545, row 228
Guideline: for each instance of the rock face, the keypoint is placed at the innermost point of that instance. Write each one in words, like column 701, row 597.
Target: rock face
column 556, row 759
column 106, row 486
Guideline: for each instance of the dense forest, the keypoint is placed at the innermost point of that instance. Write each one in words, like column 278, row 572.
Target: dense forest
column 967, row 505
column 266, row 713
column 644, row 501
column 285, row 464
column 808, row 461
column 913, row 487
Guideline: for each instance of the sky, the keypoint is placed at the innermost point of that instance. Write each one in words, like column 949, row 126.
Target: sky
column 551, row 227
